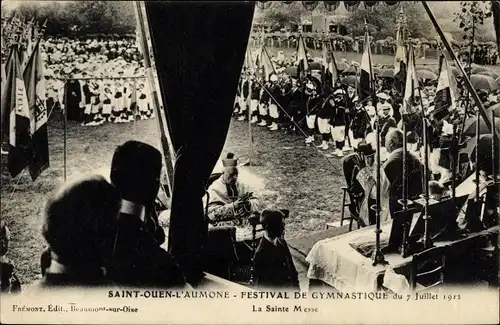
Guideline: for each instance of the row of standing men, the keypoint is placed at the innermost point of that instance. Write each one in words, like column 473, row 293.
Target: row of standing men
column 333, row 112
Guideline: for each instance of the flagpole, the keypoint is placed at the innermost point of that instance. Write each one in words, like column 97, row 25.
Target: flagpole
column 478, row 120
column 426, row 240
column 377, row 256
column 65, row 127
column 404, row 117
column 167, row 147
column 135, row 108
column 493, row 148
column 250, row 142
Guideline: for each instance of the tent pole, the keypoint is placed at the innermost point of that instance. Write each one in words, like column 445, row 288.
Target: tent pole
column 250, row 136
column 493, row 149
column 478, row 120
column 65, row 129
column 167, row 148
column 134, row 111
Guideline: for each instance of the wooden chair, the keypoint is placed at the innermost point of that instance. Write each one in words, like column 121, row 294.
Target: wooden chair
column 352, row 214
column 427, row 269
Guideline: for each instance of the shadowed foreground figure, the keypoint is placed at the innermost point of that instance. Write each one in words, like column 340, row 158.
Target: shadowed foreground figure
column 9, row 283
column 79, row 224
column 273, row 264
column 138, row 260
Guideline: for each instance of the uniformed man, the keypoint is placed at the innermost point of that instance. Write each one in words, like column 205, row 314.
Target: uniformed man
column 313, row 105
column 254, row 101
column 245, row 87
column 325, row 114
column 274, row 101
column 337, row 123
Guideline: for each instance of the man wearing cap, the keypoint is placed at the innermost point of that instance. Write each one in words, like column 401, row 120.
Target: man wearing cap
column 358, row 172
column 273, row 264
column 264, row 103
column 313, row 104
column 338, row 122
column 254, row 102
column 359, row 125
column 276, row 93
column 228, row 198
column 326, row 112
column 245, row 92
column 386, row 121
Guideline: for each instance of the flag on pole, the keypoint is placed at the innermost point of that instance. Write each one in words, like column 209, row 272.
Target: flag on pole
column 303, row 65
column 329, row 68
column 411, row 83
column 366, row 72
column 257, row 58
column 400, row 63
column 332, row 69
column 15, row 103
column 249, row 64
column 324, row 68
column 35, row 89
column 267, row 64
column 446, row 91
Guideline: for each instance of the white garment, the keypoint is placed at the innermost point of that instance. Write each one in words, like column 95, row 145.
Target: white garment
column 273, row 111
column 311, row 121
column 263, row 109
column 338, row 133
column 254, row 105
column 324, row 125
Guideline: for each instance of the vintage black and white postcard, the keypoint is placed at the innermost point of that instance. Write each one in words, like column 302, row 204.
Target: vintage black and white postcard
column 250, row 162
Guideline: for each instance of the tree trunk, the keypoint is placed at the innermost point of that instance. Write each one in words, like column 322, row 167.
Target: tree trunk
column 495, row 8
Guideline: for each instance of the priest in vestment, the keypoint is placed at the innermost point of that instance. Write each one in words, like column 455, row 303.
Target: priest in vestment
column 228, row 197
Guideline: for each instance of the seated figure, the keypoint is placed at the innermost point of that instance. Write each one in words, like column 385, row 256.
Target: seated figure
column 9, row 283
column 228, row 197
column 79, row 224
column 138, row 260
column 273, row 264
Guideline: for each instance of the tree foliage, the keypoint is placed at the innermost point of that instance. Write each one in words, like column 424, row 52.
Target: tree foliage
column 471, row 18
column 382, row 20
column 282, row 14
column 81, row 17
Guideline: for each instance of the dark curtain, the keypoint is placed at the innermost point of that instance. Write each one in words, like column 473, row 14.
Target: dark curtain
column 199, row 48
column 495, row 9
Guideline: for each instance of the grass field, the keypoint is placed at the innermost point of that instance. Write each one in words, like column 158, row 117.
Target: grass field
column 284, row 172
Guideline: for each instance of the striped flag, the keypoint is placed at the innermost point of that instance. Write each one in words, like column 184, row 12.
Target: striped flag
column 248, row 64
column 15, row 104
column 365, row 85
column 446, row 91
column 35, row 89
column 266, row 64
column 411, row 84
column 329, row 68
column 332, row 69
column 303, row 65
column 400, row 63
